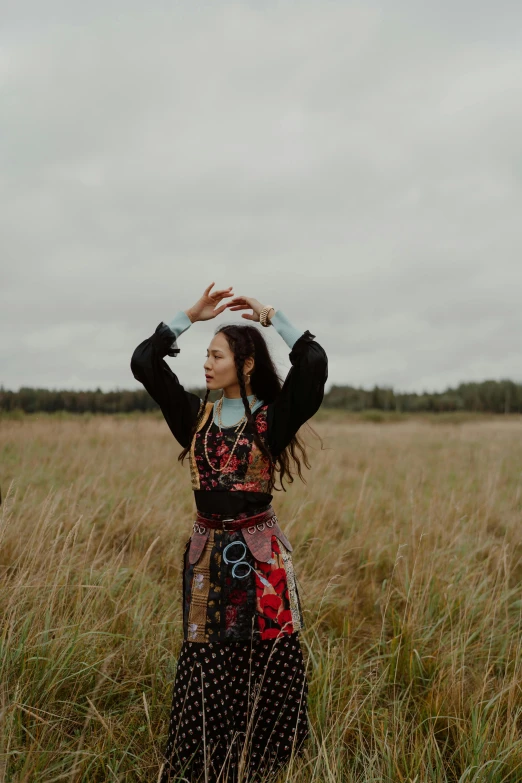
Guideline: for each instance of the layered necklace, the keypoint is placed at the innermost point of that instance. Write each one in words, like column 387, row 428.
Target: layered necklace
column 238, row 427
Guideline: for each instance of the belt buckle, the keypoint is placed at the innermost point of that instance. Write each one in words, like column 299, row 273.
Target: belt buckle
column 229, row 519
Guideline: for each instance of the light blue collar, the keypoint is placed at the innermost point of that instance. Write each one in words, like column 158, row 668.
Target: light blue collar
column 236, row 402
column 233, row 409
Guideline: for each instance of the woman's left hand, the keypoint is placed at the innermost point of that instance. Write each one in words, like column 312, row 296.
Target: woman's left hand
column 246, row 303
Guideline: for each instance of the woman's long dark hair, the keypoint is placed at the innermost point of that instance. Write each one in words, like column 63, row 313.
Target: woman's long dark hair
column 245, row 341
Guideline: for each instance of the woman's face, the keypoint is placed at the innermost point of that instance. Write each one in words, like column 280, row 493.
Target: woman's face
column 219, row 366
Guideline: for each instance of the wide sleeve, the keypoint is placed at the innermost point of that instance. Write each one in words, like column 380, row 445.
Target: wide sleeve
column 179, row 407
column 301, row 395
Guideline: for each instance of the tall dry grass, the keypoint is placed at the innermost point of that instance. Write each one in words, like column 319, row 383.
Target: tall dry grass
column 407, row 545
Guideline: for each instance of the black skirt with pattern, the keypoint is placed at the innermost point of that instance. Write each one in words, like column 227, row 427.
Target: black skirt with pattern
column 239, row 710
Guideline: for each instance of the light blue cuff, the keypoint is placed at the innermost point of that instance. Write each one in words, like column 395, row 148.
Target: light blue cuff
column 287, row 330
column 180, row 323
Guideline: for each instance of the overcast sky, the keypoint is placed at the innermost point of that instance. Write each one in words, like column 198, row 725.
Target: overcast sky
column 356, row 165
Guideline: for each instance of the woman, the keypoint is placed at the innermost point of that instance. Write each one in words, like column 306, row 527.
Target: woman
column 239, row 703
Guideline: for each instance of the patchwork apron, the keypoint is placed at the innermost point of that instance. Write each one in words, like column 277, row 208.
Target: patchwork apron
column 238, row 579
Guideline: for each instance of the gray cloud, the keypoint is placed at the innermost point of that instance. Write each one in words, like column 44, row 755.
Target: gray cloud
column 355, row 164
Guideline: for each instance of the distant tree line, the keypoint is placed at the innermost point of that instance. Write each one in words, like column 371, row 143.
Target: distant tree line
column 489, row 396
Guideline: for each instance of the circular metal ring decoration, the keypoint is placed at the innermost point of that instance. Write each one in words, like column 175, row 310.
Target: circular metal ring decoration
column 234, row 543
column 239, row 562
column 242, row 562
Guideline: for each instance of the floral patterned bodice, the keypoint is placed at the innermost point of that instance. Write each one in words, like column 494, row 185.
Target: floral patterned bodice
column 247, row 470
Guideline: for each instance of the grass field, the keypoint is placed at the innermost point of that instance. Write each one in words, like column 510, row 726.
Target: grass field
column 408, row 550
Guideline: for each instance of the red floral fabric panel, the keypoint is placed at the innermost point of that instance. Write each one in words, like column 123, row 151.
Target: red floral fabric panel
column 273, row 600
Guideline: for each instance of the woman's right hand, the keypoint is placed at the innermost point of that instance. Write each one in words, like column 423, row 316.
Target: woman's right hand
column 204, row 309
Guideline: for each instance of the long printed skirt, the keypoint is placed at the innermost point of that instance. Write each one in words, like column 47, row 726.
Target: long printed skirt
column 239, row 709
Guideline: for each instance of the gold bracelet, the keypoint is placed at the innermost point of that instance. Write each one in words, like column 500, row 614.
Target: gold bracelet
column 263, row 319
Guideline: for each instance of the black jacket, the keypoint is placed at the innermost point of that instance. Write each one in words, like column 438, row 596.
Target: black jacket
column 299, row 399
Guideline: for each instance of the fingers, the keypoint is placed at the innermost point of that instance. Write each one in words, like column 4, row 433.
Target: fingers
column 221, row 293
column 221, row 290
column 235, row 303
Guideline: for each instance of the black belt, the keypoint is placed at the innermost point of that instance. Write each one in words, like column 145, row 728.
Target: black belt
column 232, row 503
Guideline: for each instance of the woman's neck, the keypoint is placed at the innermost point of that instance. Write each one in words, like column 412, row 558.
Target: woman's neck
column 236, row 400
column 233, row 409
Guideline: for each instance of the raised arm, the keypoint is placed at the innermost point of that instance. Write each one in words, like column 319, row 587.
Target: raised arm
column 179, row 407
column 303, row 390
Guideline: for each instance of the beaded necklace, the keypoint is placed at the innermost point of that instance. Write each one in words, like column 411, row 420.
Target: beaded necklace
column 240, row 424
